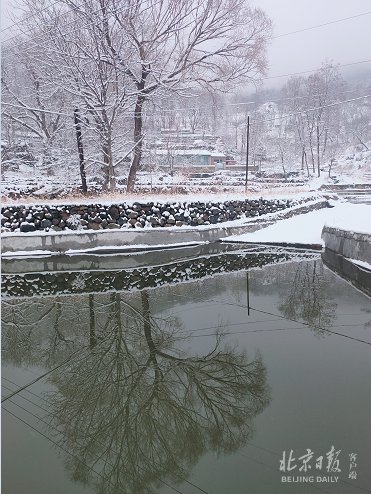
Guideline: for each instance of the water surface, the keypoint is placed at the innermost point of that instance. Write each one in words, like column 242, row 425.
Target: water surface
column 193, row 386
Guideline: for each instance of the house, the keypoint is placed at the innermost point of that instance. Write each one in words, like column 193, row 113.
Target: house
column 194, row 159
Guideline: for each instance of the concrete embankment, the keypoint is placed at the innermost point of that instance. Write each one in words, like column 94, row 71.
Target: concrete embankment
column 349, row 254
column 140, row 239
column 348, row 244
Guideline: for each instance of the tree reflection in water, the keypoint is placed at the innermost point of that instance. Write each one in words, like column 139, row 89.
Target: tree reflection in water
column 137, row 409
column 309, row 298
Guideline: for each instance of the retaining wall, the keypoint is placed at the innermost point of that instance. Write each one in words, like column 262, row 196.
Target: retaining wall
column 352, row 245
column 341, row 247
column 137, row 215
column 125, row 239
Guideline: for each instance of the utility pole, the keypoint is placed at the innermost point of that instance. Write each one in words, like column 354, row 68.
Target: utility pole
column 80, row 149
column 247, row 151
column 247, row 293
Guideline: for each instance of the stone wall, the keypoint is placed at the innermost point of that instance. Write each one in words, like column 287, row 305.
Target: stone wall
column 126, row 239
column 96, row 281
column 137, row 215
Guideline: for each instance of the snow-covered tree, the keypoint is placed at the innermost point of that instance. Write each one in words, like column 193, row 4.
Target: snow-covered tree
column 178, row 44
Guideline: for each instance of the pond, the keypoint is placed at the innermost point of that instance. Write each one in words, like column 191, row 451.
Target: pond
column 214, row 370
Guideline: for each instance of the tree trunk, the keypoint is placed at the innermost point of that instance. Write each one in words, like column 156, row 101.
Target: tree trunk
column 80, row 150
column 283, row 167
column 312, row 156
column 306, row 162
column 302, row 159
column 318, row 156
column 325, row 144
column 330, row 167
column 363, row 144
column 109, row 179
column 138, row 143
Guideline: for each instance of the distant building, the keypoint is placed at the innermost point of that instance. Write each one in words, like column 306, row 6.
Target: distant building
column 175, row 149
column 191, row 158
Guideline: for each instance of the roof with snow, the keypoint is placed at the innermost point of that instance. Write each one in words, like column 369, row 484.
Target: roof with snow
column 189, row 152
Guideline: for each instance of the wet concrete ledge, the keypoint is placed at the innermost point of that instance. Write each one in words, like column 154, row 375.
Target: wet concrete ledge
column 342, row 248
column 359, row 276
column 125, row 239
column 349, row 244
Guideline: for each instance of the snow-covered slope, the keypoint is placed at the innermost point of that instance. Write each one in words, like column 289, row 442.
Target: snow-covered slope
column 307, row 228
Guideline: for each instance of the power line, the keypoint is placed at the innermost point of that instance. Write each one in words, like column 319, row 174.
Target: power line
column 73, row 355
column 313, row 70
column 54, row 18
column 55, row 428
column 307, row 110
column 25, row 19
column 52, row 441
column 40, row 110
column 322, row 328
column 311, row 326
column 321, row 25
column 115, row 11
column 246, row 103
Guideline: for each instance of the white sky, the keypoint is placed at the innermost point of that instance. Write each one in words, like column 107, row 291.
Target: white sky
column 344, row 42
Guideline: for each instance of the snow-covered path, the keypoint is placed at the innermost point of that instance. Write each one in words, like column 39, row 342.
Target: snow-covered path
column 307, row 228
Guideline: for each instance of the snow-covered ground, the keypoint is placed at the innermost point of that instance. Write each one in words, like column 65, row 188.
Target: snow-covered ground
column 307, row 228
column 353, row 167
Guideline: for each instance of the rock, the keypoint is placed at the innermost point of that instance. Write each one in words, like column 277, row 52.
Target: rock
column 132, row 221
column 46, row 224
column 179, row 223
column 113, row 226
column 27, row 227
column 93, row 226
column 114, row 212
column 133, row 215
